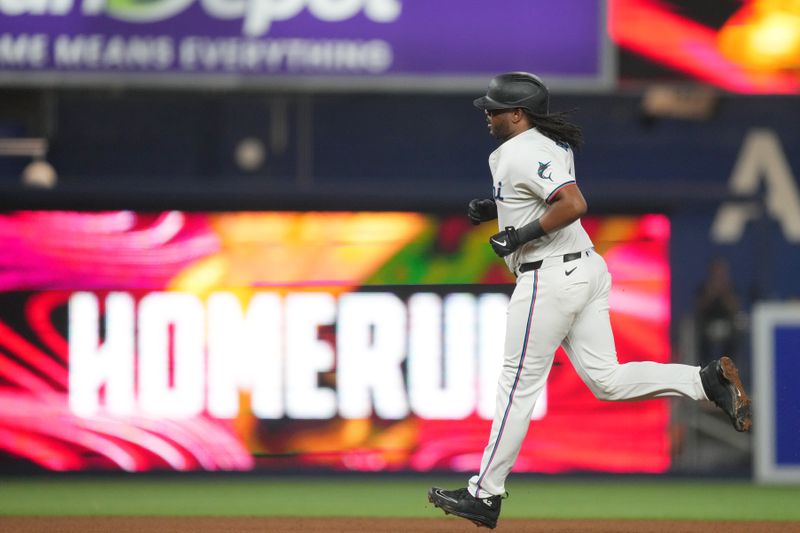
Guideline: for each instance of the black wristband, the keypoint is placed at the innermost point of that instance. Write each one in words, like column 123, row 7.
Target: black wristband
column 530, row 232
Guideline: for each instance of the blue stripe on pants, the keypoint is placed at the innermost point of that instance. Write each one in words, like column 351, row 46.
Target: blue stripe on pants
column 516, row 381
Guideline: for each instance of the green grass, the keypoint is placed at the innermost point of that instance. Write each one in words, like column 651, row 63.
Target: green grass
column 387, row 496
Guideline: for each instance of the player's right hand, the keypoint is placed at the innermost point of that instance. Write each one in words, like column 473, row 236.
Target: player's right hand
column 482, row 210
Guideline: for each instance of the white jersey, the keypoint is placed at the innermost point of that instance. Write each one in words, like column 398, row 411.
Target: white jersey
column 528, row 170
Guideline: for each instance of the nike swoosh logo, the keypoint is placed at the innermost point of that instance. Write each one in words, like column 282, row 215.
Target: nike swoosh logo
column 501, row 243
column 568, row 272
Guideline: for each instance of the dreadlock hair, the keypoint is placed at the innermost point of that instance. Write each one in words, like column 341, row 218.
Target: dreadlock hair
column 556, row 127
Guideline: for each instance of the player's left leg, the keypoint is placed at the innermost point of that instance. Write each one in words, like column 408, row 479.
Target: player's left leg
column 534, row 329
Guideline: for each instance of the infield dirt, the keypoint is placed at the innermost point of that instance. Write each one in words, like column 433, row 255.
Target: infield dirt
column 121, row 524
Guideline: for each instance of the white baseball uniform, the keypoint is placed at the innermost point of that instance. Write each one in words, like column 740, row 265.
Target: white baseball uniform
column 559, row 303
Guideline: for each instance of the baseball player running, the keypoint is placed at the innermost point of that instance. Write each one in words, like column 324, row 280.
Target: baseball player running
column 561, row 294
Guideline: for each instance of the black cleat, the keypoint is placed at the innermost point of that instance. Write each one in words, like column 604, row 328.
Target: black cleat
column 483, row 512
column 723, row 387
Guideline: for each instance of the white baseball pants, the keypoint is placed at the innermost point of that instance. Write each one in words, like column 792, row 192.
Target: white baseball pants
column 548, row 308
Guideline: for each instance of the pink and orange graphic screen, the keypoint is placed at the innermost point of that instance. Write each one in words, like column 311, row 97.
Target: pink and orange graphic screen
column 363, row 341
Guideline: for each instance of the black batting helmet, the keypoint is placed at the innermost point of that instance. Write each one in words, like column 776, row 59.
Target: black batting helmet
column 515, row 89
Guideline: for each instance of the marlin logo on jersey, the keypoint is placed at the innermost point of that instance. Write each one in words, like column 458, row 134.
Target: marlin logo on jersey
column 497, row 193
column 542, row 168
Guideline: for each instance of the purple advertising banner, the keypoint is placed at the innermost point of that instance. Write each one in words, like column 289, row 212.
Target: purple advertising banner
column 436, row 44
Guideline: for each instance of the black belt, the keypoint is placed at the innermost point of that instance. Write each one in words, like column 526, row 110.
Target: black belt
column 527, row 267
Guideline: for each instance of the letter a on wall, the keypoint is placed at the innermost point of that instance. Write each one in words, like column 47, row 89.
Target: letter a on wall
column 761, row 159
